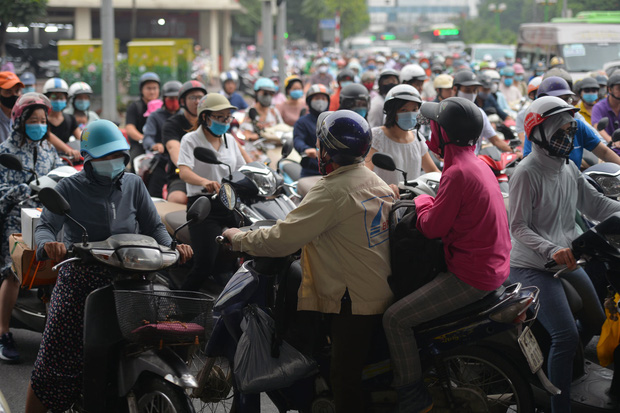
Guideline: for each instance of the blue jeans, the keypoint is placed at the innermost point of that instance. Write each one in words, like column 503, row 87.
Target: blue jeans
column 556, row 317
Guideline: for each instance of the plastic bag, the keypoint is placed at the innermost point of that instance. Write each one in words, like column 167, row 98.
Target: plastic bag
column 609, row 339
column 256, row 370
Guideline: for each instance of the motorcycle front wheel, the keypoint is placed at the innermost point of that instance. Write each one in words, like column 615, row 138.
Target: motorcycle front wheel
column 155, row 394
column 215, row 383
column 478, row 380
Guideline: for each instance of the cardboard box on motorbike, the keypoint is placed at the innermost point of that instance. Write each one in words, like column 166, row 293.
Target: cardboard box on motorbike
column 29, row 271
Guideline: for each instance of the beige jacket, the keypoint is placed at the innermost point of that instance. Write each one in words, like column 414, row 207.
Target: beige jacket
column 342, row 225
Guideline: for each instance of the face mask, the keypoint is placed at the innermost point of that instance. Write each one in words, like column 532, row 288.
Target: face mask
column 424, row 65
column 345, row 83
column 372, row 67
column 36, row 131
column 384, row 89
column 406, row 120
column 319, row 105
column 540, row 73
column 561, row 143
column 296, row 94
column 58, row 105
column 82, row 105
column 265, row 100
column 217, row 128
column 8, row 102
column 469, row 96
column 360, row 111
column 110, row 168
column 380, row 67
column 519, row 78
column 172, row 105
column 590, row 98
column 508, row 81
column 494, row 87
column 483, row 95
column 28, row 89
column 322, row 69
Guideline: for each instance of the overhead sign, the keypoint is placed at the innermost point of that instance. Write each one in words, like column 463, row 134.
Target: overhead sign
column 327, row 24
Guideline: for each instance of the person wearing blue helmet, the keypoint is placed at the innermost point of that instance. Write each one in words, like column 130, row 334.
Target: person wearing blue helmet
column 29, row 80
column 262, row 114
column 106, row 201
column 135, row 118
column 342, row 218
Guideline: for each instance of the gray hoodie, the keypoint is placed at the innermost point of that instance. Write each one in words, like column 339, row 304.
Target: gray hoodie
column 545, row 194
column 105, row 207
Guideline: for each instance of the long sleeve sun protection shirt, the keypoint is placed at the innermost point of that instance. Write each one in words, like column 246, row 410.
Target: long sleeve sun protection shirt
column 469, row 216
column 342, row 225
column 105, row 207
column 545, row 194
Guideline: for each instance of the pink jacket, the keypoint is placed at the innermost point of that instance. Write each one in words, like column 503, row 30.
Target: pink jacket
column 469, row 215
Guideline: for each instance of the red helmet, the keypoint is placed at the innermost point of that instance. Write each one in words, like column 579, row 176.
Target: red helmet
column 542, row 109
column 26, row 101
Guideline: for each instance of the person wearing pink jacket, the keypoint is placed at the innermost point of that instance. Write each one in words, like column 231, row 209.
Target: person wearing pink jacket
column 469, row 215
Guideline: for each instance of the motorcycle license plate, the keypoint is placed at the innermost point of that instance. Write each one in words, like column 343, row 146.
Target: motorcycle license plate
column 531, row 350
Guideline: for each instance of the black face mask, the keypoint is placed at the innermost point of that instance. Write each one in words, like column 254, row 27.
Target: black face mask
column 385, row 88
column 8, row 102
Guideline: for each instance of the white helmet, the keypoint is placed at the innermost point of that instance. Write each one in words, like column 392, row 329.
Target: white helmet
column 402, row 92
column 55, row 84
column 230, row 75
column 80, row 88
column 412, row 72
column 487, row 58
column 493, row 74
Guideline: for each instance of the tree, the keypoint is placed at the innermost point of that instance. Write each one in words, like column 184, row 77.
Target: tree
column 18, row 12
column 353, row 15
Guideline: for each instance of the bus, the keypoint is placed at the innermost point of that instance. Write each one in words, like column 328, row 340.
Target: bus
column 440, row 33
column 585, row 47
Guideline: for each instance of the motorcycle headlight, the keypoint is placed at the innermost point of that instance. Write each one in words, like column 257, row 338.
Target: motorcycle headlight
column 106, row 257
column 610, row 185
column 434, row 185
column 265, row 182
column 139, row 259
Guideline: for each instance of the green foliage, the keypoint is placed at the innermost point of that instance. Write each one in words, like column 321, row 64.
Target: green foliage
column 247, row 24
column 353, row 15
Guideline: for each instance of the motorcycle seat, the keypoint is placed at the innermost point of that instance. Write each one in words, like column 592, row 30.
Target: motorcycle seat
column 463, row 312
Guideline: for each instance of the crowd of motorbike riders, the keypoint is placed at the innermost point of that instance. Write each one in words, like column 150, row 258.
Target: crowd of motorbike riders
column 342, row 110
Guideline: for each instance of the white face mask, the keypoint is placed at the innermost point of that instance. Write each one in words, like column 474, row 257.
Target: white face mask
column 319, row 105
column 494, row 87
column 469, row 96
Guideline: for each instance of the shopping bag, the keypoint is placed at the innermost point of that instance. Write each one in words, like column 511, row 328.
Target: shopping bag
column 255, row 367
column 610, row 337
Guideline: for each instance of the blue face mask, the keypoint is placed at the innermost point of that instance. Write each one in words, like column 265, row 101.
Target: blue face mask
column 58, row 105
column 360, row 111
column 217, row 128
column 36, row 131
column 345, row 83
column 406, row 120
column 519, row 77
column 82, row 105
column 296, row 94
column 590, row 98
column 110, row 168
column 508, row 81
column 28, row 89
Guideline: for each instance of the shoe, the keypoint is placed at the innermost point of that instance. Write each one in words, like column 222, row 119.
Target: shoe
column 414, row 399
column 8, row 352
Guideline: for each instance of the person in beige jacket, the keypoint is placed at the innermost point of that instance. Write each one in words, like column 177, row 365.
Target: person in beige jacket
column 342, row 227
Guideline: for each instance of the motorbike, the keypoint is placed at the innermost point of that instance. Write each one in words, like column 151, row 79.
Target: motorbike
column 501, row 163
column 289, row 169
column 591, row 382
column 136, row 333
column 474, row 359
column 606, row 177
column 30, row 308
column 260, row 188
column 427, row 183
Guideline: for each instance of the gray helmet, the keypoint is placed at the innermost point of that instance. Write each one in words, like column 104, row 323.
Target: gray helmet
column 171, row 88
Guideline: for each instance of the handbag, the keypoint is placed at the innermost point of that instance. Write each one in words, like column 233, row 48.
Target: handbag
column 610, row 337
column 261, row 366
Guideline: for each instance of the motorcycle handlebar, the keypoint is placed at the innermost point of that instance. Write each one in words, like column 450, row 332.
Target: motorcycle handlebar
column 551, row 264
column 221, row 240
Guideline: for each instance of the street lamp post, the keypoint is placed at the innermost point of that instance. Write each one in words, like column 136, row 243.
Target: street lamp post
column 547, row 3
column 497, row 9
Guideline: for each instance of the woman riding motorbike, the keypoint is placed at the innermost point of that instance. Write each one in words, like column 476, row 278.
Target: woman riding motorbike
column 469, row 215
column 214, row 117
column 546, row 190
column 106, row 201
column 28, row 142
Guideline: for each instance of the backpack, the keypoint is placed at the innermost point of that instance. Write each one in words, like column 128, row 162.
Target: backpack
column 415, row 259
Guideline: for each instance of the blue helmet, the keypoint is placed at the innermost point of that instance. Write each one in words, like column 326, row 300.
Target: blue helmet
column 264, row 83
column 345, row 136
column 28, row 79
column 149, row 77
column 101, row 138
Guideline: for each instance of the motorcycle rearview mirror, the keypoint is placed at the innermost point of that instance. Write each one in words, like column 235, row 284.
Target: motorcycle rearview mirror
column 228, row 196
column 287, row 147
column 616, row 136
column 385, row 161
column 197, row 213
column 602, row 124
column 209, row 156
column 57, row 204
column 11, row 161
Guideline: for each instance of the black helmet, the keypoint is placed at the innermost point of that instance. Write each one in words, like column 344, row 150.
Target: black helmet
column 586, row 83
column 345, row 74
column 351, row 95
column 614, row 79
column 171, row 88
column 465, row 78
column 459, row 117
column 189, row 86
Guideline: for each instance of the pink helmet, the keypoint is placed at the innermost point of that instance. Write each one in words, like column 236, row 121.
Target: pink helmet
column 27, row 101
column 518, row 68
